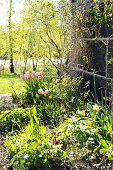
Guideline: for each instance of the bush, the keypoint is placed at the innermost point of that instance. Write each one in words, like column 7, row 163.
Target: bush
column 33, row 147
column 38, row 89
column 68, row 92
column 54, row 99
column 14, row 119
column 41, row 89
column 88, row 134
column 83, row 136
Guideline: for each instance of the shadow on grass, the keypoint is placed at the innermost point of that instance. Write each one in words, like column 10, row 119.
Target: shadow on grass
column 8, row 76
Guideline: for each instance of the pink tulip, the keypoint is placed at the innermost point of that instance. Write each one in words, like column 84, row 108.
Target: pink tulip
column 33, row 72
column 21, row 76
column 27, row 76
column 37, row 74
column 42, row 72
column 40, row 91
column 53, row 91
column 27, row 72
column 39, row 77
column 32, row 75
column 46, row 92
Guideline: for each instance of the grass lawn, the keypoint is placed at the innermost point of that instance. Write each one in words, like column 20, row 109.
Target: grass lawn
column 6, row 82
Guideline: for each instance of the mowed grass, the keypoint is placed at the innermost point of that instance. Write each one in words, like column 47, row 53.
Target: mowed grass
column 9, row 81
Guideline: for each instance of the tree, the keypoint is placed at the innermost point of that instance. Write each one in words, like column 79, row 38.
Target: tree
column 10, row 40
column 51, row 21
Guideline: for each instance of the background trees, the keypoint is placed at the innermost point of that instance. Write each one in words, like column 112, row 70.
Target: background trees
column 42, row 32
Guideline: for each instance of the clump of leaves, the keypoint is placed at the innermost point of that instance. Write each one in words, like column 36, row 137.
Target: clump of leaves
column 84, row 136
column 88, row 135
column 38, row 87
column 32, row 147
column 14, row 119
column 68, row 92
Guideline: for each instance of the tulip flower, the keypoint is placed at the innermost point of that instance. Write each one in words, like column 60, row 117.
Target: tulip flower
column 40, row 91
column 39, row 77
column 21, row 76
column 46, row 92
column 33, row 72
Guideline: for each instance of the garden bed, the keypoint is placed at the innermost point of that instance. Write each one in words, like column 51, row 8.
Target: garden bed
column 56, row 129
column 6, row 103
column 3, row 153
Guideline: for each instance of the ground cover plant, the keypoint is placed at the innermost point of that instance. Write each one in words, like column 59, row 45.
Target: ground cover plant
column 79, row 138
column 39, row 140
column 14, row 119
column 89, row 134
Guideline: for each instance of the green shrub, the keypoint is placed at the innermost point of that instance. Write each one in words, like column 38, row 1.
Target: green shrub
column 78, row 138
column 14, row 119
column 38, row 89
column 48, row 114
column 68, row 92
column 44, row 89
column 88, row 134
column 83, row 136
column 103, row 120
column 51, row 114
column 32, row 147
column 54, row 98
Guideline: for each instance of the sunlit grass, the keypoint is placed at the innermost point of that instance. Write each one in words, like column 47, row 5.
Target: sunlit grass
column 7, row 81
column 10, row 82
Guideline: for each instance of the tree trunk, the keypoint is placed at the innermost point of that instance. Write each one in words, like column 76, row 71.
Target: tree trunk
column 10, row 41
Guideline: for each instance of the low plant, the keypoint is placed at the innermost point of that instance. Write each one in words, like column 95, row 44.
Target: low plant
column 51, row 113
column 54, row 98
column 68, row 92
column 103, row 119
column 78, row 138
column 48, row 113
column 14, row 119
column 38, row 88
column 33, row 147
column 88, row 135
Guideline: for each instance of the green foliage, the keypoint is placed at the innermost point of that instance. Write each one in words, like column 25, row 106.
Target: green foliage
column 43, row 32
column 86, row 135
column 35, row 83
column 14, row 119
column 51, row 113
column 69, row 92
column 33, row 147
column 62, row 98
column 93, row 19
column 103, row 119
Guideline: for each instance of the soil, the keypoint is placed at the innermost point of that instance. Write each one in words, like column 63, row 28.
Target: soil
column 6, row 103
column 3, row 153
